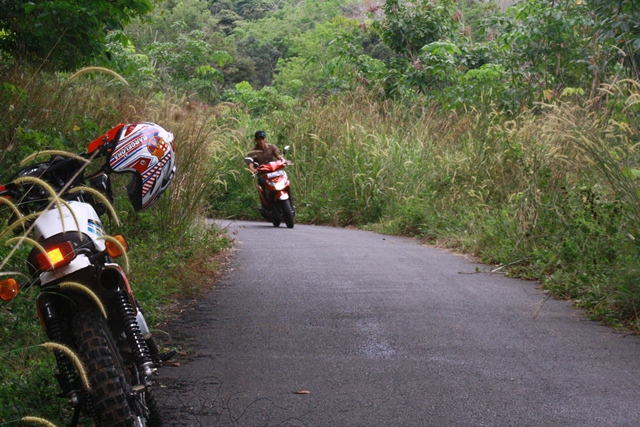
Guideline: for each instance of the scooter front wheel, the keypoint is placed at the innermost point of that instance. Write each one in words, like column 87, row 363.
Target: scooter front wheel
column 275, row 215
column 287, row 212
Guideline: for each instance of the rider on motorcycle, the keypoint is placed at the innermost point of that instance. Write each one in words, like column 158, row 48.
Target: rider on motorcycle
column 263, row 152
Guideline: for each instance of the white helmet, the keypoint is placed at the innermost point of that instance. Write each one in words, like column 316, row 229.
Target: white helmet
column 146, row 151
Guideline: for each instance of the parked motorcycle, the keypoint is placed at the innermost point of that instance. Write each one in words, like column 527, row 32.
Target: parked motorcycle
column 85, row 302
column 276, row 203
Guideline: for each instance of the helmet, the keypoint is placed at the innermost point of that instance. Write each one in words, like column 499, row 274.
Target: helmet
column 260, row 134
column 146, row 151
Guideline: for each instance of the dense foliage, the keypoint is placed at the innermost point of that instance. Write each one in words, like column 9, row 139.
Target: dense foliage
column 63, row 34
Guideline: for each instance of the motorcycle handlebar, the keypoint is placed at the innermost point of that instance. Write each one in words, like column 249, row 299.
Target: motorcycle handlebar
column 58, row 171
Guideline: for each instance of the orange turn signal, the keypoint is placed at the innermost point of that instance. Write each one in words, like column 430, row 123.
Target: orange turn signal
column 113, row 249
column 56, row 256
column 8, row 289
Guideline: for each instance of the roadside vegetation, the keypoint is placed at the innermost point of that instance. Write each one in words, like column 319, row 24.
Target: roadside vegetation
column 505, row 131
column 174, row 253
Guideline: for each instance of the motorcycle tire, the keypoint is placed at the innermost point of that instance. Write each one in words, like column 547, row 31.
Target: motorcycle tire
column 275, row 215
column 110, row 384
column 287, row 213
column 154, row 420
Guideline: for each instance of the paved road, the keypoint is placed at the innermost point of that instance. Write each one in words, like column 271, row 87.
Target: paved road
column 317, row 326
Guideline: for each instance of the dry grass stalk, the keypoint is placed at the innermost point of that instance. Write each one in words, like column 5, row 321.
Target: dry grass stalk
column 102, row 70
column 37, row 420
column 101, row 197
column 33, row 156
column 12, row 206
column 24, row 239
column 121, row 247
column 74, row 286
column 22, row 222
column 54, row 346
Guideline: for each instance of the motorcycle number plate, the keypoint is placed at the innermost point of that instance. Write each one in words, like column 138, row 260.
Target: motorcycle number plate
column 274, row 174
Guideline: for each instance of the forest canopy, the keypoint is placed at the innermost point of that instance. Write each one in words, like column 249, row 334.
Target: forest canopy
column 454, row 52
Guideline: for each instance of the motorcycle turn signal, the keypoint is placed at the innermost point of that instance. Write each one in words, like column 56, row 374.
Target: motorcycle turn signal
column 9, row 288
column 117, row 246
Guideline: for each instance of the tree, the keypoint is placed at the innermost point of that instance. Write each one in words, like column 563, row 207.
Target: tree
column 547, row 43
column 619, row 24
column 189, row 63
column 266, row 40
column 327, row 58
column 409, row 26
column 63, row 34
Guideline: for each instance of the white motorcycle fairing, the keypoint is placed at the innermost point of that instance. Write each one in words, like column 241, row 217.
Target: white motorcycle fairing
column 83, row 220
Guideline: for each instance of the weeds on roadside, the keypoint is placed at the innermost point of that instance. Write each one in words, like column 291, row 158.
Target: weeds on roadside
column 552, row 193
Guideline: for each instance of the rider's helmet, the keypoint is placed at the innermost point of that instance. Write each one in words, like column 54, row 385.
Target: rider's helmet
column 146, row 151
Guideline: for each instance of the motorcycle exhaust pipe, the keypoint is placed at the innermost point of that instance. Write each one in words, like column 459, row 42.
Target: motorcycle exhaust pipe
column 111, row 277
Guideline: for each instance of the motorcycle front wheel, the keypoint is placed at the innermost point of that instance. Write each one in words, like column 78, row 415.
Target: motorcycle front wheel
column 111, row 390
column 287, row 212
column 275, row 214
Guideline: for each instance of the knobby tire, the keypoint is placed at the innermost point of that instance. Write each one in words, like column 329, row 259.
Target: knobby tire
column 110, row 384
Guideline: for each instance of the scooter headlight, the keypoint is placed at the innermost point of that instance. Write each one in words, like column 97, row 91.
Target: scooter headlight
column 280, row 185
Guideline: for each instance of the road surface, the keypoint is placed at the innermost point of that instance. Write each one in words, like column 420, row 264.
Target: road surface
column 319, row 326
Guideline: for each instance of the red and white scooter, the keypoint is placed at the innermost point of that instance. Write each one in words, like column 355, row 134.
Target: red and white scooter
column 275, row 196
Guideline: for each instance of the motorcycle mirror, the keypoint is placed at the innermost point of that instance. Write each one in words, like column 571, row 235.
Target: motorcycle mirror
column 102, row 183
column 248, row 160
column 286, row 149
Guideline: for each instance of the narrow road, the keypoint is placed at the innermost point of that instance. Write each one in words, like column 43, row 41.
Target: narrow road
column 317, row 326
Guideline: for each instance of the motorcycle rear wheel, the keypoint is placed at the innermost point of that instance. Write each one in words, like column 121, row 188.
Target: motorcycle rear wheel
column 110, row 385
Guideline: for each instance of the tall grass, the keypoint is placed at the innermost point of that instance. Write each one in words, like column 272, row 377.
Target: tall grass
column 552, row 194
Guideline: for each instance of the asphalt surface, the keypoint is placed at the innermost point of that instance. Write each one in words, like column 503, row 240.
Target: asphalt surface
column 317, row 326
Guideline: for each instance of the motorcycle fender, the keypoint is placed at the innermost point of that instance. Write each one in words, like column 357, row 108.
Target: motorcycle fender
column 77, row 264
column 123, row 282
column 282, row 195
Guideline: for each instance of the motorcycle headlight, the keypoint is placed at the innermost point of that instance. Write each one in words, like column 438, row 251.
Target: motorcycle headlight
column 279, row 185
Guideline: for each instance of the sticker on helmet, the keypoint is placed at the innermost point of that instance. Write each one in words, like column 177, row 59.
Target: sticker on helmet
column 157, row 146
column 141, row 164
